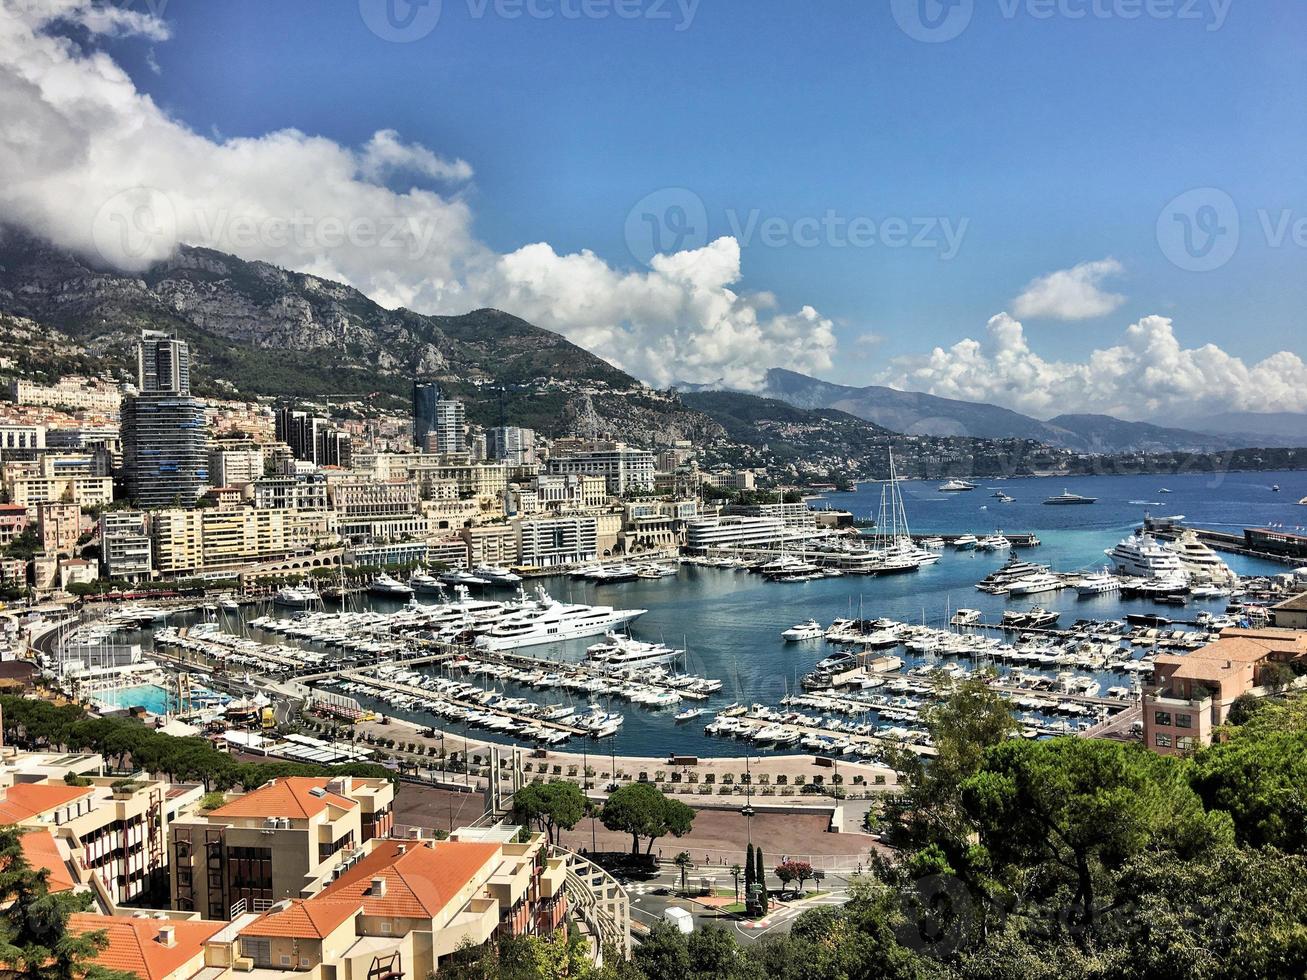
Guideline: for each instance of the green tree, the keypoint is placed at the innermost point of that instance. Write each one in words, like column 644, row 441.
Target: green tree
column 736, row 873
column 683, row 864
column 642, row 811
column 553, row 807
column 1065, row 811
column 35, row 941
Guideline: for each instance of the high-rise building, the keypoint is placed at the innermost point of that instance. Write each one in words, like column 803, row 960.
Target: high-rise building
column 165, row 457
column 163, row 363
column 511, row 444
column 426, row 395
column 449, row 433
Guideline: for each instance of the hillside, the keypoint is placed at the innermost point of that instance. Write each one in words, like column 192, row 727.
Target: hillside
column 919, row 413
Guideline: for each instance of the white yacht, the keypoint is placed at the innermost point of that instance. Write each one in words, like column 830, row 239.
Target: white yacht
column 296, row 597
column 933, row 544
column 811, row 630
column 459, row 576
column 1200, row 561
column 966, row 617
column 496, row 575
column 1141, row 556
column 385, row 585
column 993, row 542
column 966, row 542
column 1067, row 497
column 1036, row 584
column 424, row 583
column 549, row 621
column 1100, row 583
column 623, row 651
column 956, row 486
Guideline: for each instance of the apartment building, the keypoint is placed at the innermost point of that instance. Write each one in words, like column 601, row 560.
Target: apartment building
column 13, row 522
column 369, row 510
column 625, row 470
column 234, row 462
column 549, row 541
column 82, row 491
column 75, row 393
column 491, row 544
column 293, row 493
column 273, row 843
column 22, row 437
column 189, row 541
column 125, row 548
column 705, row 533
column 59, row 526
column 1192, row 694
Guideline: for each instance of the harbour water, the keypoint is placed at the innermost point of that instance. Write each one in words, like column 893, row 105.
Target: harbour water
column 730, row 620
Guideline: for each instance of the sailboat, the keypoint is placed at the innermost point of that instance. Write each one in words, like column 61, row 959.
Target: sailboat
column 897, row 553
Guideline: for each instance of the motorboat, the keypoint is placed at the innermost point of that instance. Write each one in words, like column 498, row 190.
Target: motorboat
column 956, row 486
column 296, row 597
column 1036, row 584
column 1037, row 618
column 689, row 714
column 811, row 630
column 933, row 544
column 1067, row 497
column 993, row 542
column 1100, row 583
column 385, row 585
column 966, row 542
column 966, row 617
column 424, row 583
column 459, row 576
column 496, row 575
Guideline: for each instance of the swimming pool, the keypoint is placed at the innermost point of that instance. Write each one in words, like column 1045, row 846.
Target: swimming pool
column 151, row 697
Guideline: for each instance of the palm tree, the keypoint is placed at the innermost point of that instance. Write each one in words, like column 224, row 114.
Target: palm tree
column 736, row 872
column 683, row 862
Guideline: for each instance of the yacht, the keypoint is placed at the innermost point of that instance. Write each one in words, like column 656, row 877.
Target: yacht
column 811, row 630
column 1100, row 583
column 933, row 544
column 622, row 651
column 1067, row 497
column 1200, row 561
column 613, row 574
column 1036, row 584
column 229, row 605
column 1014, row 570
column 1141, row 556
column 296, row 597
column 424, row 583
column 458, row 576
column 549, row 621
column 966, row 617
column 1004, row 498
column 956, row 486
column 497, row 576
column 993, row 542
column 689, row 714
column 966, row 542
column 384, row 585
column 1037, row 618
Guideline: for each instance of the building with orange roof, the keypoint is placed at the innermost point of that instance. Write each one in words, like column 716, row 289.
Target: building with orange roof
column 44, row 852
column 152, row 949
column 273, row 843
column 1192, row 693
column 30, row 804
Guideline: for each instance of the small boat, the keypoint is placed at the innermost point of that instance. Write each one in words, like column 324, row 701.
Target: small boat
column 1275, row 489
column 1164, row 490
column 1003, row 498
column 689, row 714
column 811, row 630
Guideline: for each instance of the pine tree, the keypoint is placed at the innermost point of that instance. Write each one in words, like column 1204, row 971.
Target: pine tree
column 760, row 876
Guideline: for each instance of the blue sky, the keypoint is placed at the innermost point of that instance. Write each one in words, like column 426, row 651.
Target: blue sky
column 1048, row 139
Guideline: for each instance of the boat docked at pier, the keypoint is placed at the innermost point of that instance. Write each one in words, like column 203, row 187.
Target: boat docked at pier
column 1099, row 583
column 548, row 621
column 1200, row 562
column 296, row 597
column 623, row 651
column 385, row 585
column 1142, row 556
column 811, row 630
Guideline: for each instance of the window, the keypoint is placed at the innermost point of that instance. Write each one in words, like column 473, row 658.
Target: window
column 1161, row 718
column 1162, row 740
column 1184, row 721
column 1185, row 743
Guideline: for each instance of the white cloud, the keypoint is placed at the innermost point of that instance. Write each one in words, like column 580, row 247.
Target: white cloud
column 1071, row 294
column 94, row 165
column 1148, row 375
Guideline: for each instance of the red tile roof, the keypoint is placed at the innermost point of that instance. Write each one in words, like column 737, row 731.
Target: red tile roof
column 421, row 877
column 23, row 801
column 315, row 919
column 134, row 945
column 41, row 851
column 286, row 797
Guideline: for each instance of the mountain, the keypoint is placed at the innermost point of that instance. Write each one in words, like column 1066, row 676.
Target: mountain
column 920, row 413
column 255, row 329
column 1256, row 428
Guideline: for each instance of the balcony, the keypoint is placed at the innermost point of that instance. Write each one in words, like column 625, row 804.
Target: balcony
column 473, row 926
column 553, row 877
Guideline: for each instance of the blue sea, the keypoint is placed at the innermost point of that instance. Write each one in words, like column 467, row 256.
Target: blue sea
column 730, row 621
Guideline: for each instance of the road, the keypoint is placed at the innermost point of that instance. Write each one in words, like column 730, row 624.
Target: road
column 652, row 897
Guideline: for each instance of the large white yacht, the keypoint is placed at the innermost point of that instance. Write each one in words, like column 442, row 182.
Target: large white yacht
column 1036, row 584
column 296, row 597
column 1099, row 583
column 956, row 486
column 1200, row 561
column 425, row 583
column 549, row 621
column 385, row 585
column 1141, row 555
column 622, row 651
